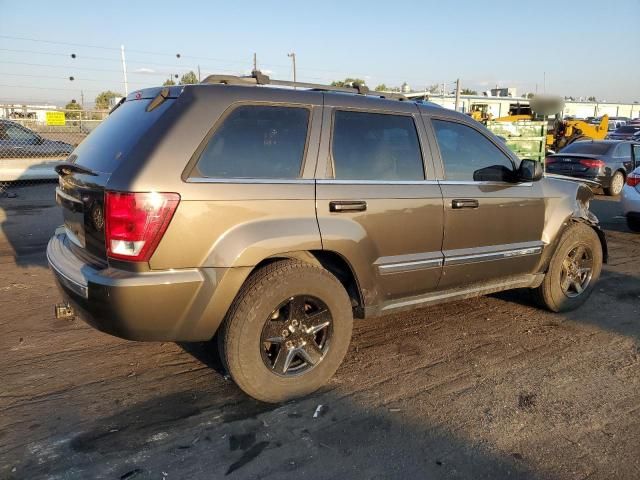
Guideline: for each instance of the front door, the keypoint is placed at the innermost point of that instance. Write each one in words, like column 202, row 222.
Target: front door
column 493, row 226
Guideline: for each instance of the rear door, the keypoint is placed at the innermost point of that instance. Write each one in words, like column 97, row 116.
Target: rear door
column 379, row 205
column 492, row 226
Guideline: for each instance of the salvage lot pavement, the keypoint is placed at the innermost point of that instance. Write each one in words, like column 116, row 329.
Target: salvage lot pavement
column 482, row 388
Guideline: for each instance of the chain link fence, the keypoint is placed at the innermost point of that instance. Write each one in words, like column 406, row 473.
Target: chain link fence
column 33, row 140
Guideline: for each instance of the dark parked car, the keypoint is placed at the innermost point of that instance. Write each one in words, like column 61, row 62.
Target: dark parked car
column 625, row 132
column 274, row 216
column 25, row 155
column 17, row 141
column 607, row 162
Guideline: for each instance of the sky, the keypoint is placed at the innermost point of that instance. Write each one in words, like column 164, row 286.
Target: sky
column 580, row 49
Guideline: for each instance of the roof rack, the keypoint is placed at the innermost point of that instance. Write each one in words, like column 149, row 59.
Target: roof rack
column 259, row 78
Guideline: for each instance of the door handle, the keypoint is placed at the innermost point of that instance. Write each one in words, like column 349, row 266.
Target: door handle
column 347, row 206
column 464, row 203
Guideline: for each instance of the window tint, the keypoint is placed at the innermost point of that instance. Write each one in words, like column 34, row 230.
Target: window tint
column 257, row 142
column 622, row 151
column 373, row 146
column 468, row 155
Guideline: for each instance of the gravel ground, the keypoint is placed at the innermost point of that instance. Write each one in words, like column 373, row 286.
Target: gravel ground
column 484, row 388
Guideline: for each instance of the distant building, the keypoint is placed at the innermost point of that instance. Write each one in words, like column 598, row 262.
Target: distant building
column 29, row 112
column 502, row 106
column 502, row 92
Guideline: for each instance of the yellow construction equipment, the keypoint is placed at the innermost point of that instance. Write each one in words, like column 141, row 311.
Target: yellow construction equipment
column 560, row 132
column 569, row 131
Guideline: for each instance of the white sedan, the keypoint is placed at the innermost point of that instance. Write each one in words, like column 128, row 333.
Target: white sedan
column 631, row 200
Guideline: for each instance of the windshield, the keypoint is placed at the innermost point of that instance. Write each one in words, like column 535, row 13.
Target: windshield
column 103, row 150
column 591, row 148
column 628, row 129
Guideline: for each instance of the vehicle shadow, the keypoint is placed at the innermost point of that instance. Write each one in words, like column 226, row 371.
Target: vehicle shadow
column 611, row 290
column 207, row 353
column 183, row 435
column 28, row 217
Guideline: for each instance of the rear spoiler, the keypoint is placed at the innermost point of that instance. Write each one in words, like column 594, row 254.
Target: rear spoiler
column 158, row 94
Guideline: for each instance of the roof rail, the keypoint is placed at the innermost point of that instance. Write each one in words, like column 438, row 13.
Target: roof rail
column 259, row 78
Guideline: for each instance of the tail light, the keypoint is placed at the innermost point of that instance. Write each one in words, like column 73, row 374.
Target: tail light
column 590, row 163
column 136, row 222
column 549, row 160
column 633, row 180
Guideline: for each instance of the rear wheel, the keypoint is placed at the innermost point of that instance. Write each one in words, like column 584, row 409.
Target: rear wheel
column 617, row 183
column 573, row 270
column 287, row 331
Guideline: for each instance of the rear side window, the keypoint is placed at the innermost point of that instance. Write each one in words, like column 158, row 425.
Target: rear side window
column 622, row 151
column 373, row 146
column 108, row 144
column 470, row 156
column 257, row 142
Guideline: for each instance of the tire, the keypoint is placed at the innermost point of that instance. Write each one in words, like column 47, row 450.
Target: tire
column 272, row 300
column 633, row 223
column 551, row 293
column 617, row 183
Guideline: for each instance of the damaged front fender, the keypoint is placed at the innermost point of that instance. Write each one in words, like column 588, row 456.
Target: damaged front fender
column 567, row 201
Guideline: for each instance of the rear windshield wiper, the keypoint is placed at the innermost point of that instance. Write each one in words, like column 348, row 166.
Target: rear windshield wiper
column 66, row 168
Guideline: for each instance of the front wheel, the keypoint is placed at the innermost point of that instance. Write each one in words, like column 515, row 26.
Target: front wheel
column 573, row 270
column 287, row 331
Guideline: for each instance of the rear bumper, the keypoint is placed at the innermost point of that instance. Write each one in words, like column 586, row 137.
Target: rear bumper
column 167, row 305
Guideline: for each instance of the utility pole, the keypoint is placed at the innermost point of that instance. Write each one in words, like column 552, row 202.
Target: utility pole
column 292, row 55
column 82, row 99
column 457, row 95
column 124, row 71
column 544, row 82
column 255, row 62
column 199, row 74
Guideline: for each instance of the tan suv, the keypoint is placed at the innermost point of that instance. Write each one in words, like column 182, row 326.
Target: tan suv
column 274, row 216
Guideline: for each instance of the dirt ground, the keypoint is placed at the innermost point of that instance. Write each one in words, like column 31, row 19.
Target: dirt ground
column 483, row 388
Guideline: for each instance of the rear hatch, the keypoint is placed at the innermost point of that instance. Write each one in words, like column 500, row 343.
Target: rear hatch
column 84, row 177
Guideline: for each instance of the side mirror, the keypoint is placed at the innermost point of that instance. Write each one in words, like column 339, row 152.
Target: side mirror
column 530, row 171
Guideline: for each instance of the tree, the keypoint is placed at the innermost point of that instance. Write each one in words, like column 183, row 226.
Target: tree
column 189, row 78
column 435, row 88
column 531, row 95
column 104, row 98
column 348, row 82
column 381, row 88
column 592, row 99
column 468, row 91
column 168, row 83
column 72, row 105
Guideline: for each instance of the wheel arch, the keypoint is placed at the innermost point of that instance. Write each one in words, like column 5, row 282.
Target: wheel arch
column 330, row 261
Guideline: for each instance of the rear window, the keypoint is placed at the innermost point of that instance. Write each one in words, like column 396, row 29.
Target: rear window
column 588, row 147
column 104, row 149
column 257, row 141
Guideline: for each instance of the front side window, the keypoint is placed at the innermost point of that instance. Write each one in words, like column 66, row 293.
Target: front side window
column 374, row 146
column 257, row 141
column 470, row 156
